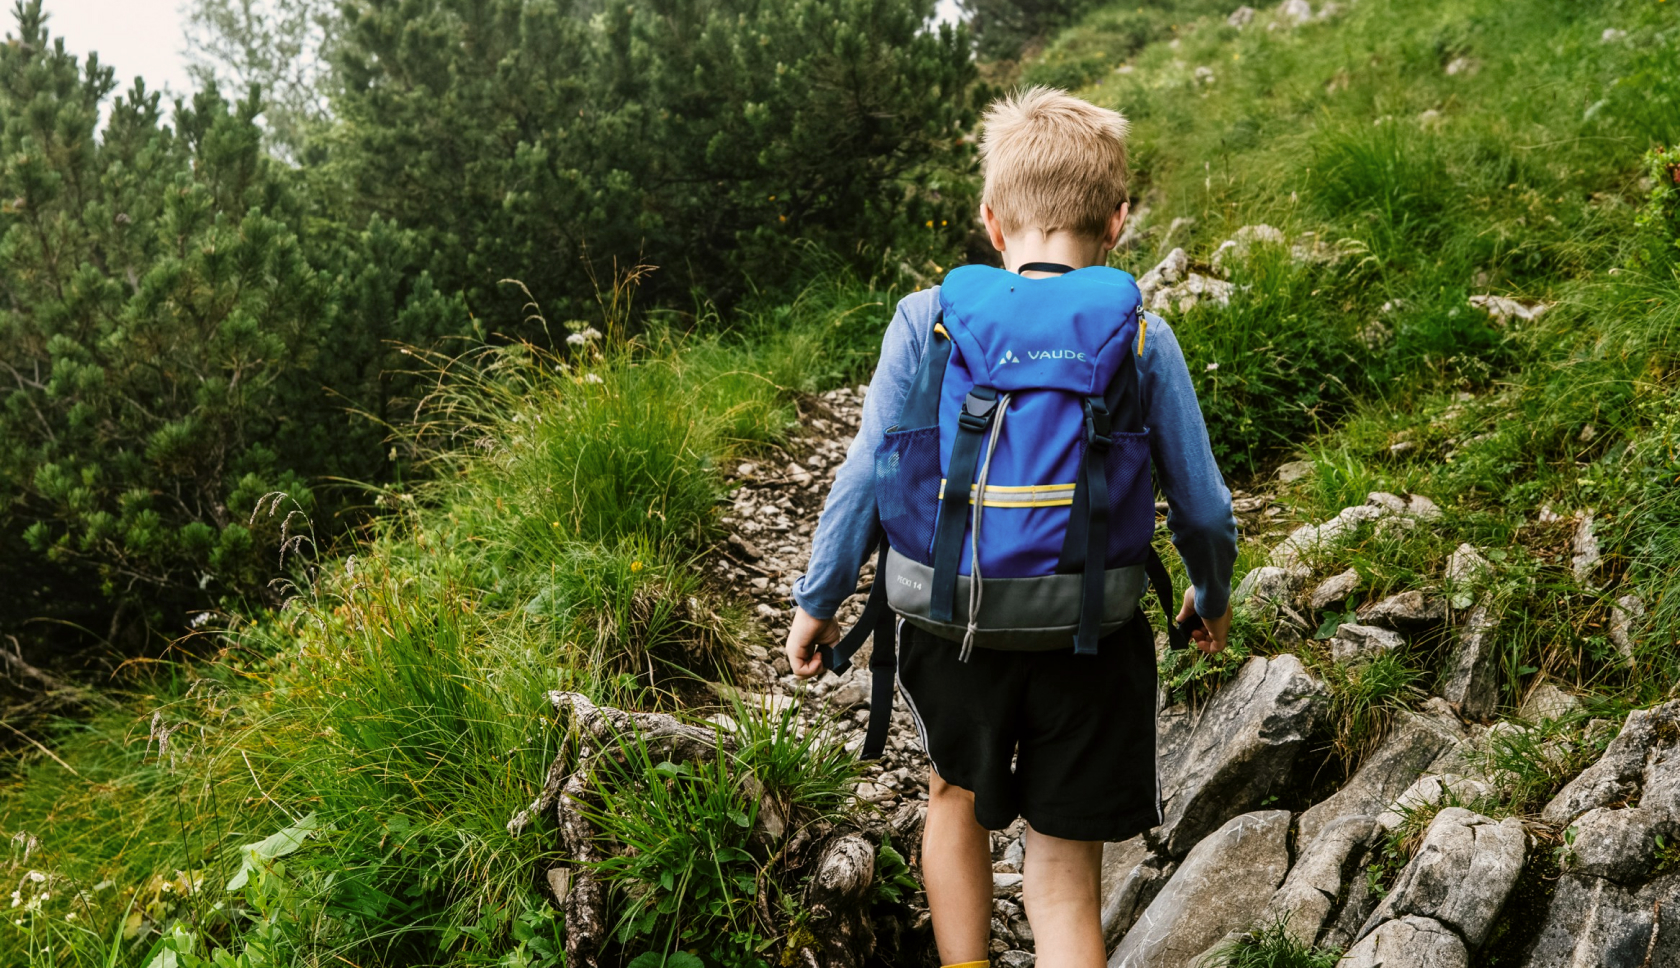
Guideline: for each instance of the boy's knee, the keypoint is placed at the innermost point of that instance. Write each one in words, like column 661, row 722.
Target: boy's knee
column 940, row 790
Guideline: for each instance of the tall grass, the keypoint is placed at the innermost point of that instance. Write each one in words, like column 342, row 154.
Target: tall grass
column 388, row 722
column 1436, row 151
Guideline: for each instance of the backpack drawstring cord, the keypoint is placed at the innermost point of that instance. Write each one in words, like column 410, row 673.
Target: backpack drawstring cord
column 975, row 590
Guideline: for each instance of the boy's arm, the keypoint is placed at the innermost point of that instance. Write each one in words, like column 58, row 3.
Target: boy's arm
column 1199, row 512
column 849, row 517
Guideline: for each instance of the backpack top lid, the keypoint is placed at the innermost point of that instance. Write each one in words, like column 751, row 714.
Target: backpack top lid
column 1066, row 332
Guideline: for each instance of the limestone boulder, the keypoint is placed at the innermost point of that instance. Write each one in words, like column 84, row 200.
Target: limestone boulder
column 1617, row 844
column 1415, row 742
column 1358, row 900
column 1461, row 875
column 1362, row 643
column 1430, row 790
column 1132, row 875
column 1595, row 921
column 1642, row 755
column 1168, row 271
column 1408, row 610
column 1240, row 749
column 1310, row 540
column 1471, row 679
column 1222, row 886
column 1467, row 571
column 1272, row 584
column 1307, row 899
column 1408, row 942
column 1547, row 701
column 1334, row 589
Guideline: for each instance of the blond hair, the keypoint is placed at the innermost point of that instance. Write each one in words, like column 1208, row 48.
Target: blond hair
column 1053, row 161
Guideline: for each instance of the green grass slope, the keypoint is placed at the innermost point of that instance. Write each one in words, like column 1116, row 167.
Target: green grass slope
column 363, row 750
column 1419, row 155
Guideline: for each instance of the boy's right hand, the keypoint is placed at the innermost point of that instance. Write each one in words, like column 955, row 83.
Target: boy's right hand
column 1211, row 638
column 804, row 636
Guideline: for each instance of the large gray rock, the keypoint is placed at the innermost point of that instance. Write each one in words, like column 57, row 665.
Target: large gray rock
column 1362, row 643
column 1642, row 754
column 1460, row 876
column 1407, row 610
column 1271, row 583
column 1132, row 875
column 1596, row 923
column 1617, row 845
column 1431, row 790
column 1547, row 701
column 1240, row 749
column 1309, row 541
column 1471, row 682
column 1334, row 589
column 1466, row 570
column 1356, row 905
column 1409, row 942
column 1222, row 886
column 1415, row 741
column 1309, row 894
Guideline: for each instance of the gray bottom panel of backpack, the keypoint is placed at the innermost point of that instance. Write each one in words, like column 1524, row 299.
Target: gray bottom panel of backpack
column 1037, row 614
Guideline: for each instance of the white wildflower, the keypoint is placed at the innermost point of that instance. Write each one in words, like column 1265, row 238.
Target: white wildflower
column 1211, row 367
column 592, row 378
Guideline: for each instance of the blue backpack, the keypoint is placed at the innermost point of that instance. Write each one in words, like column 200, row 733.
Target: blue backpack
column 1019, row 457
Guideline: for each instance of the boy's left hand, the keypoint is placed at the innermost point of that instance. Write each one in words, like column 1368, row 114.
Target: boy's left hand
column 804, row 636
column 1214, row 633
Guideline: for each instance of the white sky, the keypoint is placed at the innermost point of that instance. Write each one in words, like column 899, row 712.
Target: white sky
column 143, row 37
column 146, row 37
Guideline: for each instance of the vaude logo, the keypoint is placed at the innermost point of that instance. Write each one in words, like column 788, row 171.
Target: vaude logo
column 908, row 582
column 1010, row 357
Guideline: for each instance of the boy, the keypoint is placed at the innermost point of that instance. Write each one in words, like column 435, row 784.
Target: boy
column 1066, row 740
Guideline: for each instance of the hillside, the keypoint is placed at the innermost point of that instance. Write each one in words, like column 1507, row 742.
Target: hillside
column 1422, row 258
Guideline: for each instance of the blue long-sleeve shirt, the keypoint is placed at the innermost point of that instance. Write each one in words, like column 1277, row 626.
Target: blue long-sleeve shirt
column 1199, row 513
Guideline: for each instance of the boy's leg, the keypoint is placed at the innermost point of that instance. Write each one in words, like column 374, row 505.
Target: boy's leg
column 1061, row 888
column 957, row 866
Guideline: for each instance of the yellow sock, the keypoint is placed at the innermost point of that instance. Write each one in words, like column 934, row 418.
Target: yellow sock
column 972, row 964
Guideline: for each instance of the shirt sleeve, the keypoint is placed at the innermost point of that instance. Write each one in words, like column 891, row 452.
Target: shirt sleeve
column 849, row 517
column 1204, row 529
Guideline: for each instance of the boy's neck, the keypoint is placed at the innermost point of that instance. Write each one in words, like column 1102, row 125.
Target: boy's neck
column 1061, row 247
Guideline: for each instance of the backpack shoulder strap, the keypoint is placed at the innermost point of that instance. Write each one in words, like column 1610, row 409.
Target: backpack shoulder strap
column 921, row 404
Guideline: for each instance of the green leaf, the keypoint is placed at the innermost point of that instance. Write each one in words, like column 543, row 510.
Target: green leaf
column 676, row 959
column 740, row 818
column 258, row 855
column 1332, row 622
column 671, row 771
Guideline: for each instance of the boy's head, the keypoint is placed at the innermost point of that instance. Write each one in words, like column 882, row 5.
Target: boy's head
column 1053, row 162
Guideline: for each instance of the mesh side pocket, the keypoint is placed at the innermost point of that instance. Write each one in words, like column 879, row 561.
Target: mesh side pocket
column 907, row 490
column 1131, row 508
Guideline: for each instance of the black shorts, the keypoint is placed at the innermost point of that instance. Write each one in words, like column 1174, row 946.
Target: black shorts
column 1066, row 741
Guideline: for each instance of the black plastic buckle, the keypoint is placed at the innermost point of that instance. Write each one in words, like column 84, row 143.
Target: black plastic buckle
column 976, row 411
column 1096, row 412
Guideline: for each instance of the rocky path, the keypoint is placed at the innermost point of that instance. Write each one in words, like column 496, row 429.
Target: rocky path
column 1244, row 842
column 770, row 524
